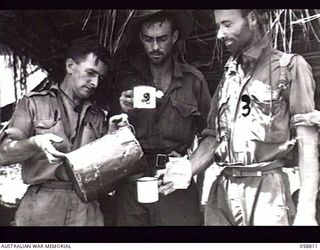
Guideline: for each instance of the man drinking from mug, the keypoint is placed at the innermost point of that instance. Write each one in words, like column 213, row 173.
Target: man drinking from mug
column 182, row 106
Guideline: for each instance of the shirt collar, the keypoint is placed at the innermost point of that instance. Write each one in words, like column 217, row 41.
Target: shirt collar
column 250, row 56
column 142, row 65
column 254, row 53
column 54, row 89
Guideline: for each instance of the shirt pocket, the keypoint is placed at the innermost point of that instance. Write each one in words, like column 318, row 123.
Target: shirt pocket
column 90, row 133
column 267, row 104
column 45, row 126
column 181, row 116
column 270, row 113
column 185, row 109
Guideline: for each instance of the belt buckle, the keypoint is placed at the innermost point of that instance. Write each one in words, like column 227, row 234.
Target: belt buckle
column 161, row 161
column 259, row 173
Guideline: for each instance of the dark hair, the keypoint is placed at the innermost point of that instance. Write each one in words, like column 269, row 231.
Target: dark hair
column 80, row 48
column 161, row 17
column 261, row 17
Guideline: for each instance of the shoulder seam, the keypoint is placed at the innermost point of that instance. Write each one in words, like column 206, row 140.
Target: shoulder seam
column 191, row 69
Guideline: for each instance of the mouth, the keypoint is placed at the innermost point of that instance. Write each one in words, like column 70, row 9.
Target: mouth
column 156, row 55
column 90, row 90
column 228, row 42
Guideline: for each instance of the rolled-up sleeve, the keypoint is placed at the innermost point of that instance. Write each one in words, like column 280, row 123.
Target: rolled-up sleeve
column 204, row 98
column 210, row 130
column 22, row 118
column 302, row 87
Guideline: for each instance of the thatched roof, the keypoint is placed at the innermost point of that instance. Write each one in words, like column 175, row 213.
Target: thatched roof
column 43, row 36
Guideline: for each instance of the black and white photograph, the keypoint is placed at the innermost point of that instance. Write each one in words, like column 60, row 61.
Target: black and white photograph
column 159, row 118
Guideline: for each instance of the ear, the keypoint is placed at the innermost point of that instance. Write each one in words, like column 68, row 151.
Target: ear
column 70, row 63
column 252, row 19
column 140, row 37
column 175, row 36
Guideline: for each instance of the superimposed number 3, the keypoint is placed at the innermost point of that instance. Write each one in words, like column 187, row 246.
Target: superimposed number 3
column 246, row 99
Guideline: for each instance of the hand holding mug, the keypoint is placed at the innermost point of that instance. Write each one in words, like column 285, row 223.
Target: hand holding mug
column 126, row 101
column 178, row 175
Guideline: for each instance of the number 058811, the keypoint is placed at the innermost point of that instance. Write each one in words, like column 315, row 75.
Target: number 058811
column 309, row 245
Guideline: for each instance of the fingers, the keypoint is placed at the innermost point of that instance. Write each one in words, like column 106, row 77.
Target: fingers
column 298, row 118
column 52, row 154
column 117, row 121
column 166, row 188
column 45, row 144
column 302, row 123
column 55, row 138
column 127, row 93
column 309, row 119
column 160, row 173
column 52, row 159
column 174, row 154
column 126, row 100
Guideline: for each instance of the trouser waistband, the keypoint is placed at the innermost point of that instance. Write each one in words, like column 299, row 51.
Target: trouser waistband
column 238, row 172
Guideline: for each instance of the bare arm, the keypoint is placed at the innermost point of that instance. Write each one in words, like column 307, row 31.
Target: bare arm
column 16, row 151
column 309, row 175
column 202, row 158
column 308, row 119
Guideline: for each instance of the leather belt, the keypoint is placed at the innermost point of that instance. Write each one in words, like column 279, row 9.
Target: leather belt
column 237, row 172
column 157, row 161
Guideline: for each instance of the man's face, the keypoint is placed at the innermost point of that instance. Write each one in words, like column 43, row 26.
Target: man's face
column 86, row 75
column 234, row 30
column 158, row 40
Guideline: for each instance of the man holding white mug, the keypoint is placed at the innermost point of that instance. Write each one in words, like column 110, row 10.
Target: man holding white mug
column 168, row 129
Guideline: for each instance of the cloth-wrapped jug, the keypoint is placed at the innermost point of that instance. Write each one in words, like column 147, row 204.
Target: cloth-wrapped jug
column 96, row 168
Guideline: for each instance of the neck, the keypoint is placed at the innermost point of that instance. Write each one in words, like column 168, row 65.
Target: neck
column 162, row 69
column 255, row 39
column 65, row 86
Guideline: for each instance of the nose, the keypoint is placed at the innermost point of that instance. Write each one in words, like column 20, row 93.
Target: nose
column 155, row 45
column 220, row 34
column 95, row 81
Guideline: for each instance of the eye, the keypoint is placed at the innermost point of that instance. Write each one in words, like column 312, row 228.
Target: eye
column 147, row 39
column 163, row 38
column 90, row 73
column 227, row 25
column 102, row 78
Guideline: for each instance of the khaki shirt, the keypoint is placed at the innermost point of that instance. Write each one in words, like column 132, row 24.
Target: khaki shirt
column 43, row 112
column 249, row 114
column 180, row 114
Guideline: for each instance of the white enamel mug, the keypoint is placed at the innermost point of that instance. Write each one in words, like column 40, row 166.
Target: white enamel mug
column 144, row 97
column 147, row 189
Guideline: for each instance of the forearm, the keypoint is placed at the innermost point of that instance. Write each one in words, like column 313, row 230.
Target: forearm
column 309, row 168
column 202, row 158
column 15, row 151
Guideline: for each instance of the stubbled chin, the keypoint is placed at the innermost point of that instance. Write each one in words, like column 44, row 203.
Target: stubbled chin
column 233, row 51
column 157, row 61
column 86, row 94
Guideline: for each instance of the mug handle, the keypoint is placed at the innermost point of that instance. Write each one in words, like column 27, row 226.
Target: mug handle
column 132, row 129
